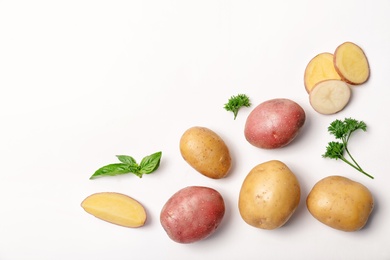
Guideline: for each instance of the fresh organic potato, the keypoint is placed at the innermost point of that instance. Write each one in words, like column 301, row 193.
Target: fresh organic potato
column 351, row 63
column 274, row 123
column 192, row 214
column 330, row 96
column 319, row 68
column 269, row 195
column 340, row 203
column 206, row 152
column 115, row 208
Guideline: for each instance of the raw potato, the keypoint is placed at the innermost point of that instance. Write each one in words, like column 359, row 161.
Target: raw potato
column 351, row 63
column 330, row 96
column 206, row 152
column 192, row 214
column 319, row 68
column 269, row 195
column 115, row 208
column 340, row 203
column 274, row 123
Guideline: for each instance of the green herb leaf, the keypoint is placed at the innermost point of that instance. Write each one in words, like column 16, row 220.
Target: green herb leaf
column 150, row 163
column 129, row 165
column 337, row 129
column 112, row 170
column 127, row 159
column 334, row 150
column 236, row 102
column 343, row 130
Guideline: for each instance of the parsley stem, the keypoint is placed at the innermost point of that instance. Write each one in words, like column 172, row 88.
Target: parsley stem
column 350, row 156
column 356, row 167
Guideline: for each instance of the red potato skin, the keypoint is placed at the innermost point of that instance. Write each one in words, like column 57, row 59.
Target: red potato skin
column 274, row 123
column 192, row 214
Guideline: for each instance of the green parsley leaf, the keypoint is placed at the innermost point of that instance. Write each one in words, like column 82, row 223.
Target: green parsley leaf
column 236, row 102
column 342, row 130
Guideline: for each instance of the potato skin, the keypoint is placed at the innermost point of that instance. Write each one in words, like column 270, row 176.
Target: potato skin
column 274, row 123
column 192, row 214
column 206, row 152
column 340, row 203
column 269, row 195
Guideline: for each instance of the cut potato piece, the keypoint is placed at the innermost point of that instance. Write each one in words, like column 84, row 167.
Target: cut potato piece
column 330, row 96
column 319, row 68
column 115, row 208
column 351, row 63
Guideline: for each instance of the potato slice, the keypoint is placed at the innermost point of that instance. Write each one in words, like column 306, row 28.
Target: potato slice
column 351, row 63
column 319, row 68
column 115, row 208
column 330, row 96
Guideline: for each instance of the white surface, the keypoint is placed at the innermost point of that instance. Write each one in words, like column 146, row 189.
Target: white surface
column 82, row 81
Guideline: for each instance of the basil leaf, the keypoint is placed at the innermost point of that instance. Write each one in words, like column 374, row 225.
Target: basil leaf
column 112, row 170
column 150, row 163
column 128, row 164
column 127, row 159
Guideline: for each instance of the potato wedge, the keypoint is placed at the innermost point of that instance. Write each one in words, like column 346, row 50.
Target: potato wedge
column 351, row 63
column 330, row 96
column 115, row 208
column 319, row 68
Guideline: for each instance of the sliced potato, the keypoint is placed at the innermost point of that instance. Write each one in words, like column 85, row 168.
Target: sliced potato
column 330, row 96
column 351, row 63
column 115, row 208
column 319, row 68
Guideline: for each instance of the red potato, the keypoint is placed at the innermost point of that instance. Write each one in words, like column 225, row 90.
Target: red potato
column 192, row 214
column 274, row 123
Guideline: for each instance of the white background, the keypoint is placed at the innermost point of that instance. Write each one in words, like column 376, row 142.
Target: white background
column 83, row 81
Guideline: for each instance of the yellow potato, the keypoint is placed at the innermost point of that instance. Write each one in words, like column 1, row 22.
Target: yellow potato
column 206, row 152
column 269, row 195
column 115, row 208
column 340, row 203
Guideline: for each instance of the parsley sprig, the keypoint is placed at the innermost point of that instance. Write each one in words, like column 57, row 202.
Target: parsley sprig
column 342, row 130
column 236, row 102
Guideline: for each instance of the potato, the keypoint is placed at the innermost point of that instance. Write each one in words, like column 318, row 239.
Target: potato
column 206, row 152
column 115, row 208
column 319, row 68
column 351, row 63
column 269, row 195
column 192, row 214
column 340, row 203
column 274, row 123
column 330, row 96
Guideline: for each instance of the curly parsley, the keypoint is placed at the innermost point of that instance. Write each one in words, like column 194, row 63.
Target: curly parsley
column 342, row 130
column 236, row 102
